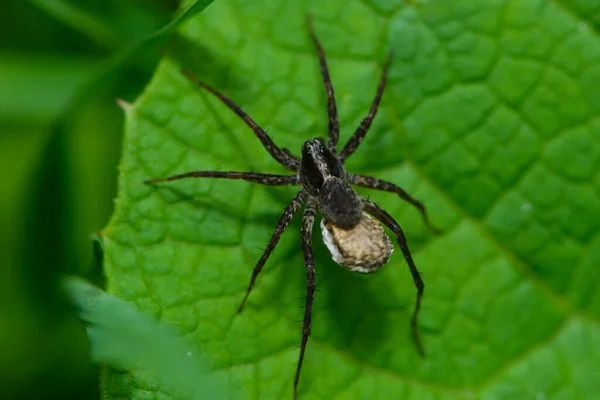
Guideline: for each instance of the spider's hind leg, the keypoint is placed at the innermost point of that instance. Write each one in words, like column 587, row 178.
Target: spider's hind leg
column 308, row 220
column 391, row 223
column 282, row 224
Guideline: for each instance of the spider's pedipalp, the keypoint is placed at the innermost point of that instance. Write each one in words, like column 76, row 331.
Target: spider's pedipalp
column 382, row 215
column 282, row 224
column 286, row 159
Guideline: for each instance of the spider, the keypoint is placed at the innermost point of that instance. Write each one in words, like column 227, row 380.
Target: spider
column 355, row 239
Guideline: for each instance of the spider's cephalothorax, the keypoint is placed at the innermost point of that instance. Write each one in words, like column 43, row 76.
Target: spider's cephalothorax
column 350, row 226
column 323, row 176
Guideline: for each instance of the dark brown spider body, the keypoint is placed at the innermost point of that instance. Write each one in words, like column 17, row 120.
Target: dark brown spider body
column 323, row 176
column 351, row 223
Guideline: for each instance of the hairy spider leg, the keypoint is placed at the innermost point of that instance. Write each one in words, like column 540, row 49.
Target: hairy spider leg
column 285, row 219
column 334, row 123
column 378, row 184
column 358, row 136
column 263, row 179
column 286, row 159
column 308, row 220
column 391, row 223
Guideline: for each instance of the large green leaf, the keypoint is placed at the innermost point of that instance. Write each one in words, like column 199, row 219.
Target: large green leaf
column 489, row 117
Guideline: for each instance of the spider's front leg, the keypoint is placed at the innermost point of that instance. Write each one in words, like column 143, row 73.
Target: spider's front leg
column 308, row 220
column 334, row 123
column 391, row 223
column 286, row 159
column 255, row 177
column 358, row 136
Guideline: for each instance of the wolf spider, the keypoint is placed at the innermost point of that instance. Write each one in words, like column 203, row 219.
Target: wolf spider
column 355, row 239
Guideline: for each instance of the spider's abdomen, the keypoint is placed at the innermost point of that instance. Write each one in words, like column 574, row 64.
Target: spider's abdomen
column 364, row 248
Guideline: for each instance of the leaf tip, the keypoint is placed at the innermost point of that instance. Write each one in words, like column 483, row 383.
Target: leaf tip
column 125, row 106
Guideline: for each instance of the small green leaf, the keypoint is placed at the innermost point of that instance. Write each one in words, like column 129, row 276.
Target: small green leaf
column 489, row 118
column 125, row 339
column 98, row 246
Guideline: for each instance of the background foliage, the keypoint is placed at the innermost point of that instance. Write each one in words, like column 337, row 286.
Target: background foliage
column 490, row 118
column 61, row 69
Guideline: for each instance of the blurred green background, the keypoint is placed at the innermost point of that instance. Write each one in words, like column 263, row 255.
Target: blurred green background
column 62, row 65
